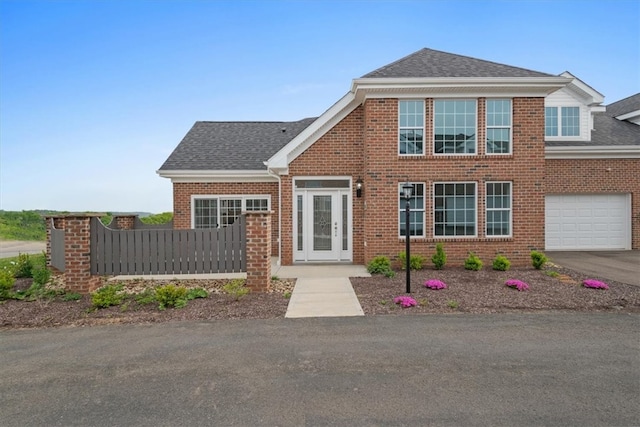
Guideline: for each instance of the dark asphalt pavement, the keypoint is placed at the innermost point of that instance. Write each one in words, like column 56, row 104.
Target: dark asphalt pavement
column 621, row 266
column 540, row 369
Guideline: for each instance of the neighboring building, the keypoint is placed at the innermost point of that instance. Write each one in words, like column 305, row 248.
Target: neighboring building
column 470, row 136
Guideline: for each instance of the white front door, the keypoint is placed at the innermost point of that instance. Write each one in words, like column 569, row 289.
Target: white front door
column 322, row 225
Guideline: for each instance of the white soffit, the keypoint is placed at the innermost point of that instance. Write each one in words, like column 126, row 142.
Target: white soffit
column 189, row 176
column 593, row 152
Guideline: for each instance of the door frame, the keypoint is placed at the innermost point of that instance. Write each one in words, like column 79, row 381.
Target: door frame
column 306, row 254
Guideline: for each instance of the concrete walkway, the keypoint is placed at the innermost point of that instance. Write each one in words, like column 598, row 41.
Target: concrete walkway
column 322, row 290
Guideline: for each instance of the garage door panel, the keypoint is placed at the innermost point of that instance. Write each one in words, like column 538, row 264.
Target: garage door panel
column 587, row 221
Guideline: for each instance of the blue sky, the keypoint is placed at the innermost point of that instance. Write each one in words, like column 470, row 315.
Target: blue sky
column 94, row 95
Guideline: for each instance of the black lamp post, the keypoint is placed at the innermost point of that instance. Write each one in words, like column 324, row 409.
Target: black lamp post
column 407, row 189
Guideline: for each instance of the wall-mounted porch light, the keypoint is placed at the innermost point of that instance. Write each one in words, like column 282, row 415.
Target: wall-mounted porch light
column 359, row 187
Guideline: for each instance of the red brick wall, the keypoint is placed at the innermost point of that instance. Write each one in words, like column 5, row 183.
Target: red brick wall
column 337, row 153
column 385, row 170
column 182, row 193
column 367, row 140
column 598, row 176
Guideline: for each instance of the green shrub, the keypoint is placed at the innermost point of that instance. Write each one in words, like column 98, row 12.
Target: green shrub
column 148, row 296
column 71, row 296
column 41, row 275
column 197, row 293
column 6, row 284
column 501, row 263
column 552, row 273
column 472, row 262
column 107, row 296
column 24, row 266
column 236, row 289
column 415, row 263
column 171, row 296
column 439, row 259
column 538, row 259
column 380, row 265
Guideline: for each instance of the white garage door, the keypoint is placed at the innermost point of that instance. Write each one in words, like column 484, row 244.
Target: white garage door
column 587, row 221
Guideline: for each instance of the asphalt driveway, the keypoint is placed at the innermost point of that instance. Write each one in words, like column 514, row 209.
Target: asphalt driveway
column 621, row 266
column 11, row 248
column 543, row 369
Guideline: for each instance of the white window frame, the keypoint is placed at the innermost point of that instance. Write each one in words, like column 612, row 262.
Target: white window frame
column 402, row 205
column 475, row 204
column 502, row 209
column 475, row 153
column 414, row 128
column 243, row 198
column 509, row 127
column 560, row 135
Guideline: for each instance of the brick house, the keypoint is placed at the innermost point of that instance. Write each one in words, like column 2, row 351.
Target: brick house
column 500, row 159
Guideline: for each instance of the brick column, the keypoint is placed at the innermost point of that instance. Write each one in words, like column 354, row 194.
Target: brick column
column 58, row 223
column 124, row 222
column 77, row 256
column 258, row 256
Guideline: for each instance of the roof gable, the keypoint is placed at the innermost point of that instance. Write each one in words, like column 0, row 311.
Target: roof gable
column 429, row 63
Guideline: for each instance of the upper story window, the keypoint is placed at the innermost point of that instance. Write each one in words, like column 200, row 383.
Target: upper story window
column 562, row 121
column 454, row 126
column 411, row 127
column 498, row 126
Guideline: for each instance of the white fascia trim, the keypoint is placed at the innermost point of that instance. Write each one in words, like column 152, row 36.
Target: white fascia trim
column 279, row 162
column 628, row 116
column 583, row 90
column 593, row 152
column 190, row 176
column 538, row 86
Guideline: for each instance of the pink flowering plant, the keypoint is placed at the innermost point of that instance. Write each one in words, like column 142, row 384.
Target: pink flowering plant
column 595, row 284
column 518, row 284
column 405, row 302
column 435, row 284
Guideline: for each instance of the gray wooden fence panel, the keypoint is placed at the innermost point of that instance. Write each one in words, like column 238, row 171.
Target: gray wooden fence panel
column 163, row 251
column 57, row 247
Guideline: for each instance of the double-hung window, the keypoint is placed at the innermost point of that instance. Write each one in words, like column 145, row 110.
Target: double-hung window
column 454, row 209
column 498, row 206
column 411, row 127
column 416, row 211
column 454, row 126
column 562, row 121
column 220, row 211
column 498, row 126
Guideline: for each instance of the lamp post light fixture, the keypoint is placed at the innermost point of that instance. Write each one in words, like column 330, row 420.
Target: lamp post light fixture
column 407, row 190
column 359, row 187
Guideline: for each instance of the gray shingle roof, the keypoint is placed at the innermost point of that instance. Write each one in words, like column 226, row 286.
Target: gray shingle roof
column 232, row 145
column 624, row 106
column 434, row 63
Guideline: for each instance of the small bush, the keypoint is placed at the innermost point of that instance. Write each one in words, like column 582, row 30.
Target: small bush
column 453, row 304
column 236, row 289
column 435, row 284
column 171, row 296
column 501, row 263
column 473, row 262
column 552, row 273
column 405, row 302
column 439, row 259
column 148, row 296
column 197, row 293
column 24, row 266
column 41, row 275
column 107, row 296
column 6, row 284
column 415, row 263
column 538, row 259
column 71, row 296
column 379, row 265
column 594, row 284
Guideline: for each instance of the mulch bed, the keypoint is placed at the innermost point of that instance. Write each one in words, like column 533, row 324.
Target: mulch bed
column 467, row 292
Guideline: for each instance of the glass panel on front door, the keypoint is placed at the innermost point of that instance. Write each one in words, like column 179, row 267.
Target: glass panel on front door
column 322, row 223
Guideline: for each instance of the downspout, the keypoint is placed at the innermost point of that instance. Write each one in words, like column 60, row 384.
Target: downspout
column 279, row 263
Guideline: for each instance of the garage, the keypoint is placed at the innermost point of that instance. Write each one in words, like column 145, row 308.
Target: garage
column 587, row 221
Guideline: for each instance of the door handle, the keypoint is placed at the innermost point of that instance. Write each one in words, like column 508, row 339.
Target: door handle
column 335, row 228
